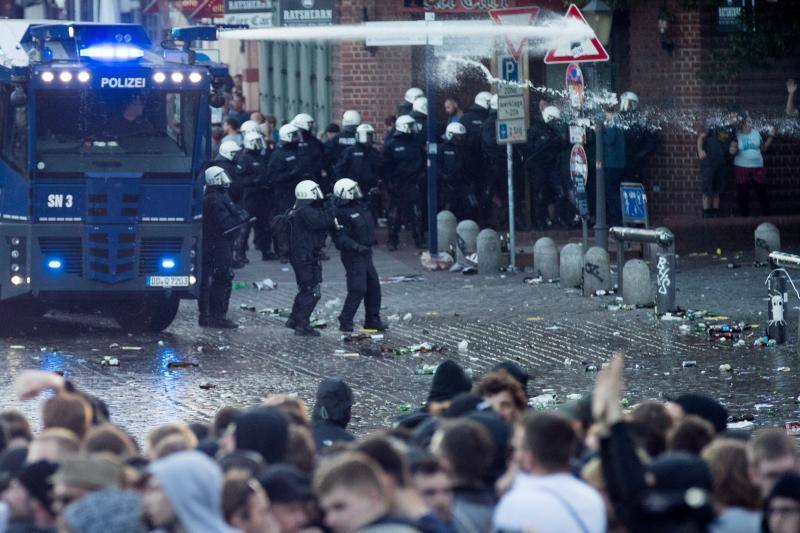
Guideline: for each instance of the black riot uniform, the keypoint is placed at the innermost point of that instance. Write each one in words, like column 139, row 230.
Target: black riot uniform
column 313, row 165
column 641, row 142
column 475, row 164
column 403, row 167
column 362, row 164
column 220, row 215
column 335, row 147
column 548, row 179
column 496, row 163
column 256, row 200
column 354, row 238
column 310, row 223
column 457, row 191
column 284, row 172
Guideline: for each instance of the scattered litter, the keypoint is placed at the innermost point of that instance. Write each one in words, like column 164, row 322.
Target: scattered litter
column 535, row 318
column 245, row 307
column 574, row 396
column 552, row 328
column 285, row 269
column 442, row 261
column 405, row 407
column 333, row 304
column 207, row 386
column 16, row 347
column 740, row 343
column 591, row 368
column 765, row 341
column 265, row 284
column 109, row 361
column 426, row 370
column 238, row 285
column 131, row 348
column 362, row 336
column 161, row 343
column 463, row 346
column 784, row 369
column 344, row 353
column 792, row 428
column 670, row 317
column 760, row 406
column 113, row 345
column 689, row 364
column 744, row 424
column 319, row 323
column 469, row 271
column 530, row 280
column 279, row 312
column 181, row 364
column 389, row 280
column 567, row 361
column 542, row 401
column 407, row 317
column 725, row 368
column 393, row 318
column 685, row 329
column 415, row 350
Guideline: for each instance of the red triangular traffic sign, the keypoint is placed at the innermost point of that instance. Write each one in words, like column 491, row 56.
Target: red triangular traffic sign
column 519, row 16
column 586, row 51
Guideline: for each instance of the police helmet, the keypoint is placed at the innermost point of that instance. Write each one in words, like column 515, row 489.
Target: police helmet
column 248, row 125
column 493, row 103
column 351, row 117
column 228, row 149
column 483, row 98
column 412, row 94
column 421, row 105
column 287, row 133
column 551, row 113
column 304, row 122
column 453, row 129
column 405, row 124
column 253, row 141
column 365, row 134
column 628, row 101
column 216, row 176
column 308, row 190
column 347, row 189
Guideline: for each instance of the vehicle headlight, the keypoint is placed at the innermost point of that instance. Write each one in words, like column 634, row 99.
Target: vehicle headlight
column 177, row 77
column 65, row 76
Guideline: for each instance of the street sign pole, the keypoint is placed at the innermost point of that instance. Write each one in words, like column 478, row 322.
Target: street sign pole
column 600, row 225
column 512, row 239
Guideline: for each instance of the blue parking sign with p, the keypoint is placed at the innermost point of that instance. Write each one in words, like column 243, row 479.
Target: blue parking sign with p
column 510, row 69
column 503, row 133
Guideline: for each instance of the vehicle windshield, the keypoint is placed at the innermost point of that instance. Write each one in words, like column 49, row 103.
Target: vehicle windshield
column 138, row 131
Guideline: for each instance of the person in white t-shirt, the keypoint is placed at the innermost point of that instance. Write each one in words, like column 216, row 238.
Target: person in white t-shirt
column 545, row 496
column 748, row 165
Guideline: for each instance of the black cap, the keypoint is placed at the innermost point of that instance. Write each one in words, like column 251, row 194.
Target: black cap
column 285, row 483
column 706, row 408
column 448, row 381
column 516, row 372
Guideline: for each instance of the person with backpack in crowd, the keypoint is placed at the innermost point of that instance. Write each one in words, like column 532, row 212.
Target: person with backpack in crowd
column 354, row 237
column 309, row 223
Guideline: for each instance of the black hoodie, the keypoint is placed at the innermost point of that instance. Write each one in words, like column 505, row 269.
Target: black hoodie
column 331, row 413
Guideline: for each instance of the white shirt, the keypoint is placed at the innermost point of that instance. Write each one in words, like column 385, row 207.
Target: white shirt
column 553, row 503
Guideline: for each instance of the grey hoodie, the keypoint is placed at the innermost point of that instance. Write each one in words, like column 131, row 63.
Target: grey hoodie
column 193, row 485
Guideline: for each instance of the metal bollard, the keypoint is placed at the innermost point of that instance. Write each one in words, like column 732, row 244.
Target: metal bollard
column 665, row 283
column 488, row 252
column 571, row 266
column 545, row 259
column 776, row 290
column 446, row 229
column 466, row 238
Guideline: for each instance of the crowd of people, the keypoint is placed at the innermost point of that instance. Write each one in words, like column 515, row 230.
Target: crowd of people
column 473, row 458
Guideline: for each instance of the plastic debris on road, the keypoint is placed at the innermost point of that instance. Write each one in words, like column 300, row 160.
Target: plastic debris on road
column 393, row 318
column 442, row 261
column 426, row 370
column 109, row 361
column 246, row 307
column 463, row 346
column 404, row 407
column 362, row 336
column 765, row 341
column 784, row 369
column 319, row 323
column 345, row 353
column 408, row 278
column 407, row 317
column 131, row 348
column 543, row 401
column 792, row 428
column 530, row 280
column 535, row 318
column 278, row 312
column 333, row 304
column 207, row 386
column 574, row 396
column 238, row 285
column 743, row 424
column 415, row 349
column 689, row 364
column 725, row 368
column 16, row 347
column 265, row 284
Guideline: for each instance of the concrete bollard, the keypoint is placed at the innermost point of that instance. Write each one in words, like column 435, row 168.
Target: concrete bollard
column 488, row 252
column 636, row 288
column 596, row 271
column 446, row 231
column 571, row 266
column 466, row 238
column 767, row 239
column 545, row 259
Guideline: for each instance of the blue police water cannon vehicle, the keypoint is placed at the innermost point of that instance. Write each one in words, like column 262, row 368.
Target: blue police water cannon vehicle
column 102, row 140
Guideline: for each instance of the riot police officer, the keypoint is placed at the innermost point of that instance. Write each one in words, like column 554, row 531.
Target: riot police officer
column 226, row 158
column 403, row 166
column 311, row 152
column 310, row 221
column 495, row 160
column 351, row 120
column 362, row 163
column 457, row 192
column 547, row 139
column 473, row 119
column 641, row 141
column 257, row 201
column 353, row 237
column 220, row 220
column 406, row 106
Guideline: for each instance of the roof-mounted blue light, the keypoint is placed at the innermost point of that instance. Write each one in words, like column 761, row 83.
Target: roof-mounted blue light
column 112, row 52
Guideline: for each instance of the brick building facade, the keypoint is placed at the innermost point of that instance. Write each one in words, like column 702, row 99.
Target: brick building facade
column 374, row 81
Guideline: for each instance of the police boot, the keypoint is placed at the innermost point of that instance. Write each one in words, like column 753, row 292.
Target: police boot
column 377, row 325
column 346, row 327
column 290, row 323
column 306, row 331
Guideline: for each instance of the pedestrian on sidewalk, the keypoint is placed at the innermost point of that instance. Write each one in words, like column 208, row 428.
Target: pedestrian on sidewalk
column 713, row 146
column 748, row 164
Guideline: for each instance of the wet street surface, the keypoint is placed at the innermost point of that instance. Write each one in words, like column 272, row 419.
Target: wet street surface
column 188, row 372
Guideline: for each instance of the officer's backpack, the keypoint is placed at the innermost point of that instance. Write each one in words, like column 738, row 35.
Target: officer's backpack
column 281, row 227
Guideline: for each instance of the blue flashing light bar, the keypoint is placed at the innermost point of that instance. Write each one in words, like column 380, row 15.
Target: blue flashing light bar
column 168, row 263
column 112, row 52
column 54, row 264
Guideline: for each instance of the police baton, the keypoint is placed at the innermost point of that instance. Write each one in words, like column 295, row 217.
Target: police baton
column 238, row 226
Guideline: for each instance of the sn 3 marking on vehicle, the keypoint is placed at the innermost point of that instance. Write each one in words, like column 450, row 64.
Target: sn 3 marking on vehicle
column 104, row 138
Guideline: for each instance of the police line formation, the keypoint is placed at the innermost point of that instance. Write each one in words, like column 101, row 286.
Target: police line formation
column 279, row 192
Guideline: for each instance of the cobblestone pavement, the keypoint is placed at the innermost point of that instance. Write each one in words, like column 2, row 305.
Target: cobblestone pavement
column 554, row 332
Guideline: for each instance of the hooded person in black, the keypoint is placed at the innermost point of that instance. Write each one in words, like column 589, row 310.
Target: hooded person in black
column 331, row 413
column 264, row 430
column 449, row 381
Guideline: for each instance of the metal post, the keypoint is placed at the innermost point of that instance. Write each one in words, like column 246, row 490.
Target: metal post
column 776, row 290
column 512, row 239
column 665, row 282
column 600, row 226
column 433, row 201
column 620, row 264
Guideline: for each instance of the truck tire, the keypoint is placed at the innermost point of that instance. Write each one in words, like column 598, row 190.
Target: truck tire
column 146, row 315
column 164, row 313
